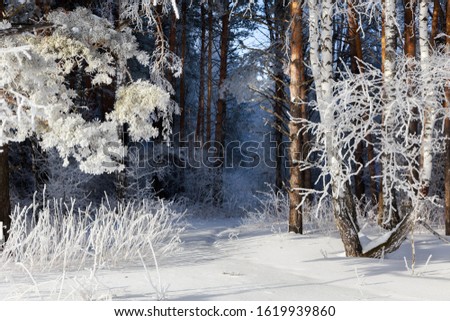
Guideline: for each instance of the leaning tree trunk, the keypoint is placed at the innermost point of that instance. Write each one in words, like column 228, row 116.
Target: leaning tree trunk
column 392, row 240
column 345, row 216
column 447, row 132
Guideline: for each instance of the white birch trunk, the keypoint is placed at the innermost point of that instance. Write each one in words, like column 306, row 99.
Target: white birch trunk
column 429, row 115
column 387, row 211
column 321, row 53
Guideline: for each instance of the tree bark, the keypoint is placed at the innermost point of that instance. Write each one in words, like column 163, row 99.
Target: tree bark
column 426, row 153
column 447, row 131
column 5, row 203
column 210, row 77
column 345, row 216
column 275, row 15
column 172, row 43
column 435, row 23
column 388, row 215
column 2, row 10
column 410, row 52
column 221, row 104
column 296, row 72
column 356, row 67
column 321, row 53
column 200, row 129
column 393, row 239
column 183, row 74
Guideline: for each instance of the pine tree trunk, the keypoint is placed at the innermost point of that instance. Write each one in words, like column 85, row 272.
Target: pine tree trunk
column 278, row 109
column 122, row 179
column 447, row 132
column 2, row 10
column 435, row 23
column 200, row 129
column 410, row 52
column 183, row 74
column 221, row 104
column 277, row 28
column 44, row 5
column 210, row 78
column 5, row 205
column 356, row 67
column 172, row 44
column 296, row 73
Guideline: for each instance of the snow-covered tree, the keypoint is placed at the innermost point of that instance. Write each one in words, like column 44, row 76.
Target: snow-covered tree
column 35, row 98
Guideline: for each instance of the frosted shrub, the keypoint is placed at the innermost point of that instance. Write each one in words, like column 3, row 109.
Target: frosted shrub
column 271, row 212
column 318, row 216
column 56, row 234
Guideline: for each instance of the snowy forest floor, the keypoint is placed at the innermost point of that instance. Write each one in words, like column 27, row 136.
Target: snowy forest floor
column 221, row 259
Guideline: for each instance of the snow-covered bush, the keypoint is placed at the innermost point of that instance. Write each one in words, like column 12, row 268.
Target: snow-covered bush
column 56, row 234
column 270, row 212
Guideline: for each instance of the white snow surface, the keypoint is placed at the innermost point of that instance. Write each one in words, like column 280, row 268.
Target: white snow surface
column 221, row 259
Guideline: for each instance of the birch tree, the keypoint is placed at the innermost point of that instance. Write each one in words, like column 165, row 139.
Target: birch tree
column 388, row 215
column 320, row 29
column 447, row 129
column 426, row 157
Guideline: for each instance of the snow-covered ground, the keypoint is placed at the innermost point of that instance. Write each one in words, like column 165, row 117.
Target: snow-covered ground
column 220, row 259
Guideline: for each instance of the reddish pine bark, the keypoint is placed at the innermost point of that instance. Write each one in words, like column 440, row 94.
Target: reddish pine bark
column 297, row 92
column 210, row 77
column 200, row 129
column 356, row 57
column 221, row 104
column 182, row 77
